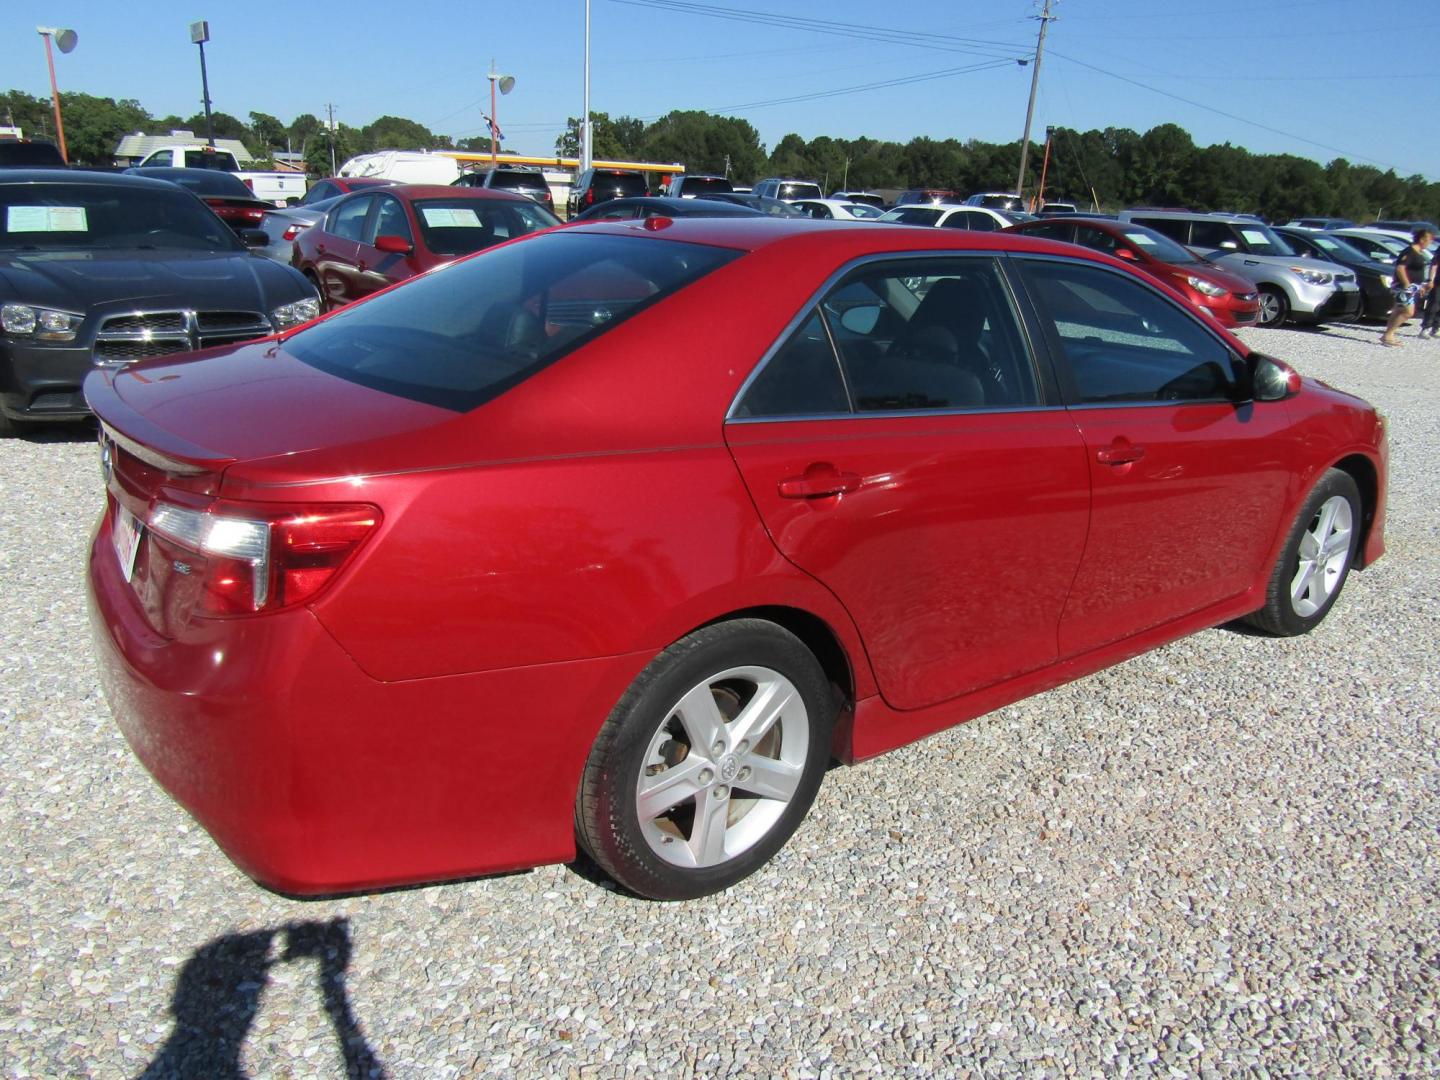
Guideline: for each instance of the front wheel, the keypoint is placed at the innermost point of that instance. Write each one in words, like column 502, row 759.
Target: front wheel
column 1316, row 559
column 708, row 763
column 1274, row 306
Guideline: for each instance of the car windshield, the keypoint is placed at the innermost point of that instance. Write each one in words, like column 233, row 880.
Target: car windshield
column 1260, row 240
column 460, row 226
column 464, row 335
column 1159, row 246
column 1338, row 248
column 23, row 155
column 1381, row 248
column 112, row 217
column 202, row 181
column 864, row 210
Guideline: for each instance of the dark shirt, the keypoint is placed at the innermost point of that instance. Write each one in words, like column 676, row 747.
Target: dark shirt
column 1414, row 263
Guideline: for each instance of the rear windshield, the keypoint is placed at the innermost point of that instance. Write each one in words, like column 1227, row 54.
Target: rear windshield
column 461, row 226
column 623, row 184
column 209, row 159
column 202, row 181
column 1000, row 202
column 519, row 181
column 698, row 185
column 800, row 191
column 30, row 155
column 463, row 335
column 60, row 217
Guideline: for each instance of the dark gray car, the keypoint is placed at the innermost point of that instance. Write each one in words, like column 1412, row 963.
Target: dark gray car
column 99, row 270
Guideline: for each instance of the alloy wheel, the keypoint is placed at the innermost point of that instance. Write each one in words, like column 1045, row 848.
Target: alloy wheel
column 1324, row 551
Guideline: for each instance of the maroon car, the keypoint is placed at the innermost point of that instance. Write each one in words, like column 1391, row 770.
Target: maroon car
column 373, row 239
column 1231, row 299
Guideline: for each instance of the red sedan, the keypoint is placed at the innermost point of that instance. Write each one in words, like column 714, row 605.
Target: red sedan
column 1231, row 299
column 619, row 534
column 374, row 238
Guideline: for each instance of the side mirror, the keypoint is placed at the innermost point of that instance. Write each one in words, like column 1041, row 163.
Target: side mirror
column 861, row 319
column 1229, row 245
column 254, row 238
column 292, row 200
column 396, row 245
column 1271, row 379
column 1126, row 254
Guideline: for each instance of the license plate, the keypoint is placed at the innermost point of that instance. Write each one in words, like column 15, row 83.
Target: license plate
column 127, row 540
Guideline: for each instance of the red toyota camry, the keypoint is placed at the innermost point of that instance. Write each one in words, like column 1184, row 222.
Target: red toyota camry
column 617, row 535
column 1230, row 298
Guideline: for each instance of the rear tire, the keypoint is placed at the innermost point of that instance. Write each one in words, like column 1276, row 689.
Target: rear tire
column 708, row 763
column 8, row 428
column 1274, row 306
column 1316, row 559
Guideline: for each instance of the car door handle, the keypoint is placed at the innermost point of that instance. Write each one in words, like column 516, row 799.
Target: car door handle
column 818, row 481
column 360, row 266
column 1119, row 454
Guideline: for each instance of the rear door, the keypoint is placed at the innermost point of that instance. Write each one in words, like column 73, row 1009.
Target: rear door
column 1188, row 475
column 902, row 447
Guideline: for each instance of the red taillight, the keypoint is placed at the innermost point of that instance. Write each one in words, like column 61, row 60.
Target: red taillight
column 252, row 557
column 249, row 182
column 292, row 232
column 589, row 197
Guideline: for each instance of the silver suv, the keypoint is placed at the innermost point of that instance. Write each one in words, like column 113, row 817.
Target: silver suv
column 1292, row 288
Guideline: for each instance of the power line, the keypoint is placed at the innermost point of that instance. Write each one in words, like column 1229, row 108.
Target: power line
column 1221, row 112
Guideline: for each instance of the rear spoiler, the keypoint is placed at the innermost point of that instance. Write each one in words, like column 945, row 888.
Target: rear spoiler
column 141, row 437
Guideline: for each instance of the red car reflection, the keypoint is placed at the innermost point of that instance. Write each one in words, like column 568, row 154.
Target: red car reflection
column 375, row 238
column 620, row 533
column 1231, row 299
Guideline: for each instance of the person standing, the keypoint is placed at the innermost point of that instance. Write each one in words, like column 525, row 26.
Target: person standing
column 1410, row 284
column 1432, row 309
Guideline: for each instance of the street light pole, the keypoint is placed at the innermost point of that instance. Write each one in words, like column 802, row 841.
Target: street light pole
column 506, row 83
column 587, row 156
column 199, row 34
column 65, row 39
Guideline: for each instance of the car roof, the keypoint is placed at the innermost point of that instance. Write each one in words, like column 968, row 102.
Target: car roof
column 83, row 176
column 448, row 191
column 844, row 239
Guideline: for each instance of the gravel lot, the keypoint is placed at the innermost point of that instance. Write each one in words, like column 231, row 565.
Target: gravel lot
column 1217, row 859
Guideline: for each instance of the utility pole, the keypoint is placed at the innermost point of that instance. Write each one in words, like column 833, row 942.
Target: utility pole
column 587, row 151
column 1045, row 19
column 330, row 127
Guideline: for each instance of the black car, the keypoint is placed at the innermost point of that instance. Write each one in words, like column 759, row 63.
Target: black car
column 600, row 185
column 24, row 154
column 100, row 269
column 763, row 203
column 225, row 193
column 664, row 206
column 527, row 182
column 1374, row 277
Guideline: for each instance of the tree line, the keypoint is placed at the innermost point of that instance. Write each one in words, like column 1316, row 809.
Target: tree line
column 1108, row 168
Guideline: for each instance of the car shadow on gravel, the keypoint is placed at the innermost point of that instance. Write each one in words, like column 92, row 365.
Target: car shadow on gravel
column 218, row 993
column 82, row 432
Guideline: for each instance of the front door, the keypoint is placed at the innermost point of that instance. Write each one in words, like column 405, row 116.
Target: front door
column 1188, row 474
column 903, row 448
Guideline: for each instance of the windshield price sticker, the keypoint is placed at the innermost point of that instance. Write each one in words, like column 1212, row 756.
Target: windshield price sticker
column 126, row 535
column 441, row 218
column 1140, row 238
column 45, row 219
column 1254, row 236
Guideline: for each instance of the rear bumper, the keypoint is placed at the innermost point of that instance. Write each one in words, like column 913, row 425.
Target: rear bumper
column 315, row 778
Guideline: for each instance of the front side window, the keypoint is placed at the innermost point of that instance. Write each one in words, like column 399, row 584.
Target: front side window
column 465, row 334
column 347, row 220
column 913, row 335
column 389, row 220
column 1177, row 229
column 1214, row 234
column 319, row 193
column 1124, row 343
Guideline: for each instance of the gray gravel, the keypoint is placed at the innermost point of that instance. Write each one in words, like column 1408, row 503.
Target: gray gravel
column 1217, row 859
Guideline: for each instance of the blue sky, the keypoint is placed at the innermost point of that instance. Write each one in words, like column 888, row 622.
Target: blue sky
column 1318, row 78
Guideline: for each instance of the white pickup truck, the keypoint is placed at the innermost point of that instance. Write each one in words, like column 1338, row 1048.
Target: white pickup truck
column 280, row 188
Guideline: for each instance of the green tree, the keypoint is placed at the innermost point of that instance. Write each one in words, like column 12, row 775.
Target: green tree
column 398, row 133
column 267, row 132
column 95, row 125
column 704, row 143
column 616, row 140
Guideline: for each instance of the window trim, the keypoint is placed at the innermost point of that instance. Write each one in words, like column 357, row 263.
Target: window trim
column 1049, row 390
column 1069, row 394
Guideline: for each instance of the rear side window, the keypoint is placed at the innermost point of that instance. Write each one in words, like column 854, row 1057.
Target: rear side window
column 347, row 220
column 1177, row 229
column 465, row 335
column 1124, row 343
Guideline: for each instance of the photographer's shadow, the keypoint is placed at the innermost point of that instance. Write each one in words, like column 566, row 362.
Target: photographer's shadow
column 217, row 995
